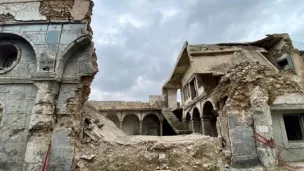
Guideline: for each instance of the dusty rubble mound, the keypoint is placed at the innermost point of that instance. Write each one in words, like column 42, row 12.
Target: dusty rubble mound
column 200, row 153
column 235, row 87
column 105, row 147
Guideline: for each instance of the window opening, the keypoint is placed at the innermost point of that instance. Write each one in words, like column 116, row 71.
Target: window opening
column 8, row 56
column 294, row 126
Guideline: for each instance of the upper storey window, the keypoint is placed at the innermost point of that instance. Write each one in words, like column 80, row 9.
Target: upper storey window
column 8, row 57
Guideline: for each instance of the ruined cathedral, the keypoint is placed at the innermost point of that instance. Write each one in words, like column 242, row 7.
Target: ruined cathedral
column 242, row 103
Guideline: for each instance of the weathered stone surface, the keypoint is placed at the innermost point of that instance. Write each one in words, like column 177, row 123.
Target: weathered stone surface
column 32, row 90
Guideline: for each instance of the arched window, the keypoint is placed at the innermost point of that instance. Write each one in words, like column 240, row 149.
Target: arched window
column 151, row 125
column 130, row 125
column 210, row 118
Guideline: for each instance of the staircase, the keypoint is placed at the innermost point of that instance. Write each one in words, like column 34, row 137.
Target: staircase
column 178, row 127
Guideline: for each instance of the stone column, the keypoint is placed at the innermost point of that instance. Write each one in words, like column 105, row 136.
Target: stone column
column 140, row 127
column 161, row 128
column 203, row 126
column 262, row 125
column 42, row 119
column 120, row 125
column 192, row 126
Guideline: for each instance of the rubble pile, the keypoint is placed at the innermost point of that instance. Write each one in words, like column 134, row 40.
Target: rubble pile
column 103, row 146
column 236, row 85
column 201, row 153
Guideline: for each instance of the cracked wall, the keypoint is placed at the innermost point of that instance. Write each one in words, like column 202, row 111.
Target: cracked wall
column 43, row 92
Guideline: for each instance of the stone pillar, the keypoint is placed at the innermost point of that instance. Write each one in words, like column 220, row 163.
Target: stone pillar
column 262, row 125
column 203, row 126
column 140, row 127
column 192, row 126
column 42, row 119
column 120, row 125
column 161, row 128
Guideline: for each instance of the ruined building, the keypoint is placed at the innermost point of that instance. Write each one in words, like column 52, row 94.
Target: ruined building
column 250, row 95
column 47, row 62
column 247, row 97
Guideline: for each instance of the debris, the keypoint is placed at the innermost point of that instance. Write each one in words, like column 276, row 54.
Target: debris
column 87, row 157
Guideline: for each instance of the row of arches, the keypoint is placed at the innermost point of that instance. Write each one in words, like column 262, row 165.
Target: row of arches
column 205, row 124
column 131, row 125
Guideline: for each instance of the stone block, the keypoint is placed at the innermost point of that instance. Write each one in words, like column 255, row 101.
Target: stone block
column 4, row 89
column 36, row 37
column 71, row 69
column 60, row 167
column 61, row 138
column 35, row 152
column 69, row 37
column 10, row 166
column 243, row 147
column 10, row 152
column 61, row 155
column 17, row 105
column 34, row 28
column 243, row 161
column 32, row 167
column 86, row 69
column 12, row 28
column 14, row 120
column 234, row 121
column 74, row 27
column 53, row 37
column 55, row 27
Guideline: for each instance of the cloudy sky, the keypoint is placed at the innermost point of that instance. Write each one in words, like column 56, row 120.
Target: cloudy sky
column 137, row 41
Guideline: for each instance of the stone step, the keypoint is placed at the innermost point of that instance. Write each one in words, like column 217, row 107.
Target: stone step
column 178, row 127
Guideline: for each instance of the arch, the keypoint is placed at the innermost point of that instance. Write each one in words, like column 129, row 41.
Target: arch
column 130, row 125
column 6, row 34
column 69, row 51
column 187, row 121
column 151, row 125
column 196, row 119
column 210, row 119
column 114, row 119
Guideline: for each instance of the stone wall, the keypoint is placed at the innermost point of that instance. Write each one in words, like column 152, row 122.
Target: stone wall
column 42, row 92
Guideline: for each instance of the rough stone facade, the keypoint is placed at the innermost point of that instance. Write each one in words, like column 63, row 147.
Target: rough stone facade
column 250, row 95
column 47, row 64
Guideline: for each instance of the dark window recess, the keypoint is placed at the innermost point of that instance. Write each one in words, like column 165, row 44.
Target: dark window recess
column 8, row 55
column 283, row 64
column 193, row 89
column 293, row 128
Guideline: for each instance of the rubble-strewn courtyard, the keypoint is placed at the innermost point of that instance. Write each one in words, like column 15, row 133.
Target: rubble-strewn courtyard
column 241, row 104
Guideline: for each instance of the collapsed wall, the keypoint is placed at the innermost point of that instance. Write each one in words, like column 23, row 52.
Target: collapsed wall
column 243, row 98
column 47, row 64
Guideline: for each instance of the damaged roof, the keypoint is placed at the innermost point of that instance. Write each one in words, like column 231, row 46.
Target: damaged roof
column 184, row 59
